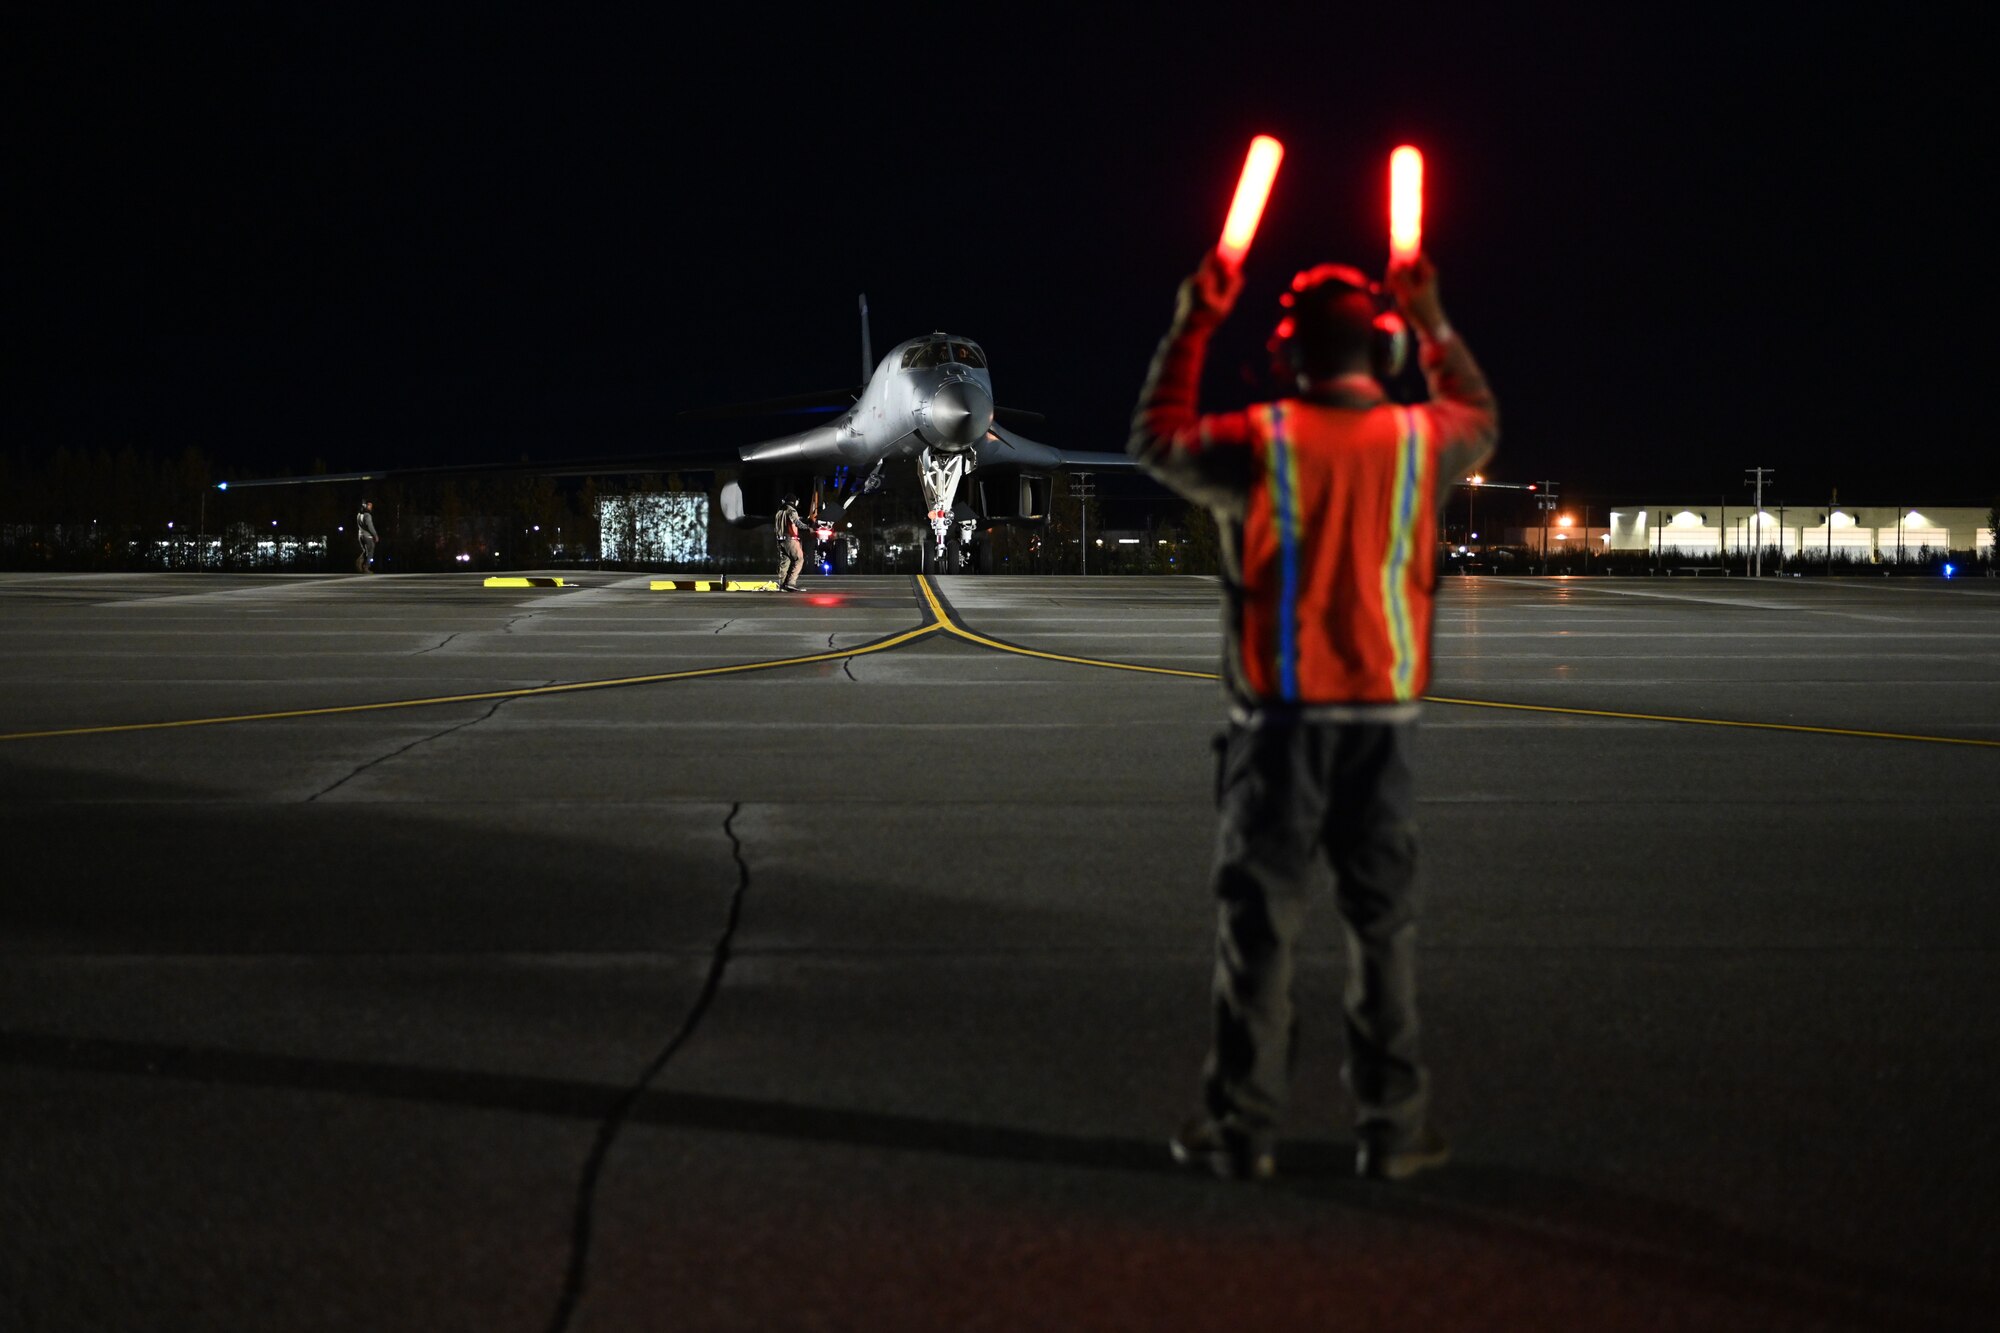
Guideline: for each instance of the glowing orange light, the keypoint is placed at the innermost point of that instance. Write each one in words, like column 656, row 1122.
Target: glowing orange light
column 824, row 599
column 1253, row 188
column 1406, row 203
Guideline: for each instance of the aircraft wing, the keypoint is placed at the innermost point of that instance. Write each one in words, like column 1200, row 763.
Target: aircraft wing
column 825, row 400
column 815, row 447
column 621, row 465
column 1096, row 460
column 1003, row 447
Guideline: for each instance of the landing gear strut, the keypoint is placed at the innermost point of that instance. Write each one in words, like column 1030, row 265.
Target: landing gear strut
column 940, row 475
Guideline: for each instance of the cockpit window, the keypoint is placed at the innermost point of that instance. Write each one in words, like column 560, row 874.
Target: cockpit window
column 969, row 355
column 926, row 356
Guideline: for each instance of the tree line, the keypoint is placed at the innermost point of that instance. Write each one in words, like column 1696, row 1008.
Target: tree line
column 123, row 509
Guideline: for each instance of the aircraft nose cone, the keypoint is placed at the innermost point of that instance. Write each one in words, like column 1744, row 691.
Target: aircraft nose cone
column 961, row 413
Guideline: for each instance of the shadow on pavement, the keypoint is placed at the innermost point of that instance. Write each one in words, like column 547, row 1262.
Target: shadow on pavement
column 1656, row 1243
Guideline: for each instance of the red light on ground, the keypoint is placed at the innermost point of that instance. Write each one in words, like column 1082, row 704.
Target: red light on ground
column 1253, row 188
column 825, row 599
column 1406, row 203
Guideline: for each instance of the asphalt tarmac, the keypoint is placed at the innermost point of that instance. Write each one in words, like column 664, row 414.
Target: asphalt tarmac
column 399, row 953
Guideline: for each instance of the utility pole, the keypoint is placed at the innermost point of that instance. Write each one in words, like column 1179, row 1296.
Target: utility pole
column 1546, row 504
column 1757, row 516
column 1081, row 491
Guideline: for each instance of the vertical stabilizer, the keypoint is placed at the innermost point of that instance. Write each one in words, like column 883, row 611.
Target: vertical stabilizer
column 867, row 356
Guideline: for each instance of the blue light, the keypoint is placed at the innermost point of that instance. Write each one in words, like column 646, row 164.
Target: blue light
column 1947, row 571
column 221, row 485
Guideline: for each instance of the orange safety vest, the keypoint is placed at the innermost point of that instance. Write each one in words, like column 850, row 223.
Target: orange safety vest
column 1339, row 553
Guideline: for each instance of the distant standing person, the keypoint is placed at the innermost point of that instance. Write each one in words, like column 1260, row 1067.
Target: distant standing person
column 364, row 531
column 791, row 530
column 1327, row 502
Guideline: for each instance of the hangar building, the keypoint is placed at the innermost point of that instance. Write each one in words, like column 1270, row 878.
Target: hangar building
column 1877, row 533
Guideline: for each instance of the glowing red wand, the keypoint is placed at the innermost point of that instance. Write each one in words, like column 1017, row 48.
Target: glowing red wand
column 1406, row 204
column 1253, row 188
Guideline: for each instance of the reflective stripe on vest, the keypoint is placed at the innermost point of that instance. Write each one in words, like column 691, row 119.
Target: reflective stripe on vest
column 1410, row 455
column 1282, row 475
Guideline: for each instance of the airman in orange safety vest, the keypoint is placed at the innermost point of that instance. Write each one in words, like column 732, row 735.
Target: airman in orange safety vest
column 1327, row 501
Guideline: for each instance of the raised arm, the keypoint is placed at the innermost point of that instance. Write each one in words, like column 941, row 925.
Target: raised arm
column 1201, row 457
column 1464, row 417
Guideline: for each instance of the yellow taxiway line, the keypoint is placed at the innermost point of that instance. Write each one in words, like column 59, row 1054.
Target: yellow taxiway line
column 949, row 623
column 952, row 626
column 529, row 691
column 944, row 621
column 1713, row 722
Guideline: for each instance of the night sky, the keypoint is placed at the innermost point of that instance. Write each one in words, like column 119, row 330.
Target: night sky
column 376, row 237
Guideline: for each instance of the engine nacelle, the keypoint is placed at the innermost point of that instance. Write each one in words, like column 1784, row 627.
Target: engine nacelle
column 1010, row 495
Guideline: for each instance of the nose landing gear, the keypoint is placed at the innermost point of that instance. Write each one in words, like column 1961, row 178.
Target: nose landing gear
column 940, row 475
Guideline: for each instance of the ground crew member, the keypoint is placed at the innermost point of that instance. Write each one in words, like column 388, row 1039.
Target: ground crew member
column 791, row 531
column 1327, row 502
column 364, row 530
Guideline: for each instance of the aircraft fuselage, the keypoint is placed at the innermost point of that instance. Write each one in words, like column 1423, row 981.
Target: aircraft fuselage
column 933, row 392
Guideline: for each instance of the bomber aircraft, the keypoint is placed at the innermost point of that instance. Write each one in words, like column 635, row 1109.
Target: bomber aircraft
column 928, row 402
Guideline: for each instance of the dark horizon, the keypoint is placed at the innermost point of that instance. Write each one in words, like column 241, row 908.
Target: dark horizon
column 371, row 241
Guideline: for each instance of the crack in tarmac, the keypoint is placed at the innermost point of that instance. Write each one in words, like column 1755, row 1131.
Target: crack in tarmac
column 421, row 740
column 615, row 1118
column 507, row 628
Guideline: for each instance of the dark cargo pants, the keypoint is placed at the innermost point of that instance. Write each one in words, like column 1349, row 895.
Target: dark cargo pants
column 1289, row 791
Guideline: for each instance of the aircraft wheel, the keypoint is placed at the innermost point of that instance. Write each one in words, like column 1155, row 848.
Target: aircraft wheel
column 927, row 557
column 982, row 555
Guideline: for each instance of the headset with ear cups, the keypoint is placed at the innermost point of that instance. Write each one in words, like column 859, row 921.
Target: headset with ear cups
column 1389, row 346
